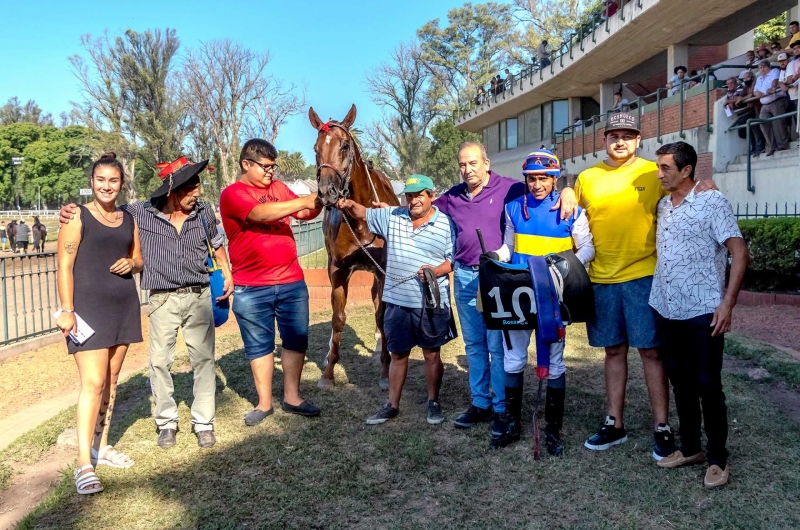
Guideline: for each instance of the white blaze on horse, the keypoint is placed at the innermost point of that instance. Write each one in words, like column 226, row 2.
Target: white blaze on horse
column 341, row 172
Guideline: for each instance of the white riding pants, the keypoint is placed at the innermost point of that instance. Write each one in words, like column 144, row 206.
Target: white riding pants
column 516, row 358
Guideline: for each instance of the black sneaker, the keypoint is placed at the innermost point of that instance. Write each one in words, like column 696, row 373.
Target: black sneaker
column 382, row 416
column 435, row 414
column 607, row 436
column 665, row 442
column 471, row 416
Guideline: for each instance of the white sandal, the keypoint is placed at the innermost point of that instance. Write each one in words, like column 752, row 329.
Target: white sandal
column 118, row 460
column 83, row 481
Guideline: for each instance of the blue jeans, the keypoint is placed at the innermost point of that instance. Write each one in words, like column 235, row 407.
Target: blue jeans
column 257, row 309
column 484, row 347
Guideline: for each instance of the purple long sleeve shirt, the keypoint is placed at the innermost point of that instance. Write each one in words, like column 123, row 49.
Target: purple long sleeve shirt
column 484, row 211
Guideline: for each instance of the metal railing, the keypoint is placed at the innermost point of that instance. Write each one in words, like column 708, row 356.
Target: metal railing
column 29, row 296
column 17, row 214
column 746, row 125
column 585, row 30
column 765, row 212
column 310, row 244
column 640, row 102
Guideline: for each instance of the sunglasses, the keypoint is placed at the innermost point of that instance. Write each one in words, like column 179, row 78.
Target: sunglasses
column 544, row 162
column 268, row 168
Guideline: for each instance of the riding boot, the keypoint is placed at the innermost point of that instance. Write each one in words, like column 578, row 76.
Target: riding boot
column 512, row 419
column 554, row 416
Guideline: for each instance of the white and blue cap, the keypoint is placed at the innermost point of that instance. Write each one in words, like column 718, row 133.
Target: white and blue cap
column 542, row 161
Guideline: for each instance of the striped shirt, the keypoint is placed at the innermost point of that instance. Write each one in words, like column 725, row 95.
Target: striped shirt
column 173, row 259
column 408, row 249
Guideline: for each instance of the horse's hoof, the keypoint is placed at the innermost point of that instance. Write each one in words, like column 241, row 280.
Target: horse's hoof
column 325, row 383
column 383, row 382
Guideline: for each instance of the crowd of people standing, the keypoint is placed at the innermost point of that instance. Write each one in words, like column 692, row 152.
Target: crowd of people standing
column 657, row 276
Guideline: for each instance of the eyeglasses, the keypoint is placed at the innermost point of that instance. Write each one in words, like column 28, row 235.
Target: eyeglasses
column 268, row 168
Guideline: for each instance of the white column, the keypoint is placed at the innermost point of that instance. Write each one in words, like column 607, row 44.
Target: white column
column 677, row 55
column 575, row 109
column 741, row 44
column 606, row 96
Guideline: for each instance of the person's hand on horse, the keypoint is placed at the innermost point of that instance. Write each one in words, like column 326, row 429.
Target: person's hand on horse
column 568, row 204
column 421, row 273
column 313, row 202
column 345, row 204
column 67, row 213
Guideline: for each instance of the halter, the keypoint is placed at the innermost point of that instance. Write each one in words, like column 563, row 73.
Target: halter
column 344, row 192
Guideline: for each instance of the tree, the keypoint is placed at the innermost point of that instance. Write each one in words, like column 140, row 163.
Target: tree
column 441, row 163
column 469, row 50
column 290, row 165
column 130, row 97
column 228, row 91
column 14, row 112
column 552, row 20
column 402, row 88
column 770, row 30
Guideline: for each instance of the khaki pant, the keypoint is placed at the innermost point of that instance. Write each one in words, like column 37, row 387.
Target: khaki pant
column 192, row 312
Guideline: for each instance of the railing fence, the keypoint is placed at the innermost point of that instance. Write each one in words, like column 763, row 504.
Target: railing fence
column 765, row 211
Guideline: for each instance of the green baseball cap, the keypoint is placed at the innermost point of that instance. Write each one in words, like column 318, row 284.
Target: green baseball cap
column 417, row 183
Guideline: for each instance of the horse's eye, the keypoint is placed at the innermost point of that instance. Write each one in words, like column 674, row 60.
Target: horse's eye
column 345, row 146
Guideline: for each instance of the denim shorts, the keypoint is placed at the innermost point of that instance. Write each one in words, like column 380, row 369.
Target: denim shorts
column 407, row 327
column 257, row 309
column 623, row 315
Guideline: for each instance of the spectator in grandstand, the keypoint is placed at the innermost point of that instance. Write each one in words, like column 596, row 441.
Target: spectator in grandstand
column 733, row 93
column 790, row 73
column 746, row 110
column 709, row 77
column 620, row 103
column 693, row 82
column 543, row 54
column 609, row 9
column 773, row 103
column 480, row 96
column 501, row 84
column 493, row 86
column 674, row 84
column 762, row 52
column 794, row 31
column 775, row 47
column 509, row 78
column 577, row 123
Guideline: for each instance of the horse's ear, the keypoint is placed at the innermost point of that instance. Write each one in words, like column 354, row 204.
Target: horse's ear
column 350, row 119
column 314, row 118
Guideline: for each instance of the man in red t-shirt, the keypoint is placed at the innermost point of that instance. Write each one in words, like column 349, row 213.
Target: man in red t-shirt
column 268, row 281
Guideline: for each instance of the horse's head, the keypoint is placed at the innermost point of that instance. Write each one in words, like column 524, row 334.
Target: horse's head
column 335, row 154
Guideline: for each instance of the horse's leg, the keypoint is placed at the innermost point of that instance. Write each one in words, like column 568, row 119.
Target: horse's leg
column 339, row 284
column 380, row 336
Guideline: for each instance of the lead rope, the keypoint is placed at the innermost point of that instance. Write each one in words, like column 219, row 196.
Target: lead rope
column 398, row 279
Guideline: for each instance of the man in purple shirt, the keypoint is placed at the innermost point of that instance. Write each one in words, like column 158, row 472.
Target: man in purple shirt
column 479, row 202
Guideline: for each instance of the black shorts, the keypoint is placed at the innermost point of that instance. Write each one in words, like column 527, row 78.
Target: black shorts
column 406, row 327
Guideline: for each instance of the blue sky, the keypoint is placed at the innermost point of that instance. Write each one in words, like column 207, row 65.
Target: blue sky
column 330, row 45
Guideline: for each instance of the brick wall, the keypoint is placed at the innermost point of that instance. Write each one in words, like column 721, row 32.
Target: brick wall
column 694, row 115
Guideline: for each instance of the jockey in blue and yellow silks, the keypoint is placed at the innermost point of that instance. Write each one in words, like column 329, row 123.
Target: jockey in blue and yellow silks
column 534, row 228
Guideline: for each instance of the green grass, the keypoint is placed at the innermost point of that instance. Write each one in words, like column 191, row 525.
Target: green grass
column 337, row 472
column 779, row 364
column 5, row 475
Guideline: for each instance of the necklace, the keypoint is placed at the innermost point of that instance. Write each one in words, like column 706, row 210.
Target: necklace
column 100, row 211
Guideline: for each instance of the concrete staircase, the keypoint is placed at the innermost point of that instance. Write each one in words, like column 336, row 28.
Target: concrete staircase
column 775, row 178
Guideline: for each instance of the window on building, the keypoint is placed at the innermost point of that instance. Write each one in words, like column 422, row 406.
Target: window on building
column 503, row 135
column 532, row 126
column 560, row 115
column 511, row 133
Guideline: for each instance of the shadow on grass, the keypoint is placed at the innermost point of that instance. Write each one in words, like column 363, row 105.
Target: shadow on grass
column 337, row 472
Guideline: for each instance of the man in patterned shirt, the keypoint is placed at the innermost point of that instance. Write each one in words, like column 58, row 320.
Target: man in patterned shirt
column 695, row 231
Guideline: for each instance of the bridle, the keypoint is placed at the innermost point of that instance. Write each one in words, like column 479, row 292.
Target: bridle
column 344, row 177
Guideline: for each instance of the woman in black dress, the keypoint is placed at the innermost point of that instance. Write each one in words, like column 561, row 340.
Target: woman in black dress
column 98, row 253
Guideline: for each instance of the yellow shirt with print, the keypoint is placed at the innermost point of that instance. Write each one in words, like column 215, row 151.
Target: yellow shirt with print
column 621, row 205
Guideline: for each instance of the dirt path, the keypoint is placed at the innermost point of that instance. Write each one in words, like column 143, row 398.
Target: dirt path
column 778, row 325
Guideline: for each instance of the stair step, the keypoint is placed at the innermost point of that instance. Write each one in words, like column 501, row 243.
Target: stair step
column 762, row 163
column 788, row 153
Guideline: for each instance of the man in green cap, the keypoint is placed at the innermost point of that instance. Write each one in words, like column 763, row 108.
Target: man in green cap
column 419, row 243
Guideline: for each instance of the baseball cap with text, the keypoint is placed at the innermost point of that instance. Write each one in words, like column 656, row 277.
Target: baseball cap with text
column 621, row 121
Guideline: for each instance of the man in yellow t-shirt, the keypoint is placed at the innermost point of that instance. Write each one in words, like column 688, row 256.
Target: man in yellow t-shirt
column 620, row 196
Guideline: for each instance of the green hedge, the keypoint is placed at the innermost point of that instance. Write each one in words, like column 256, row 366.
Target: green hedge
column 774, row 251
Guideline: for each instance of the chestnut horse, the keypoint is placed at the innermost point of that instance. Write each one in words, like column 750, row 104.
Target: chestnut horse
column 341, row 172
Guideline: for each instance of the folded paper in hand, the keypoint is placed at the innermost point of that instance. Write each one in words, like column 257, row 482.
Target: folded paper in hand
column 84, row 330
